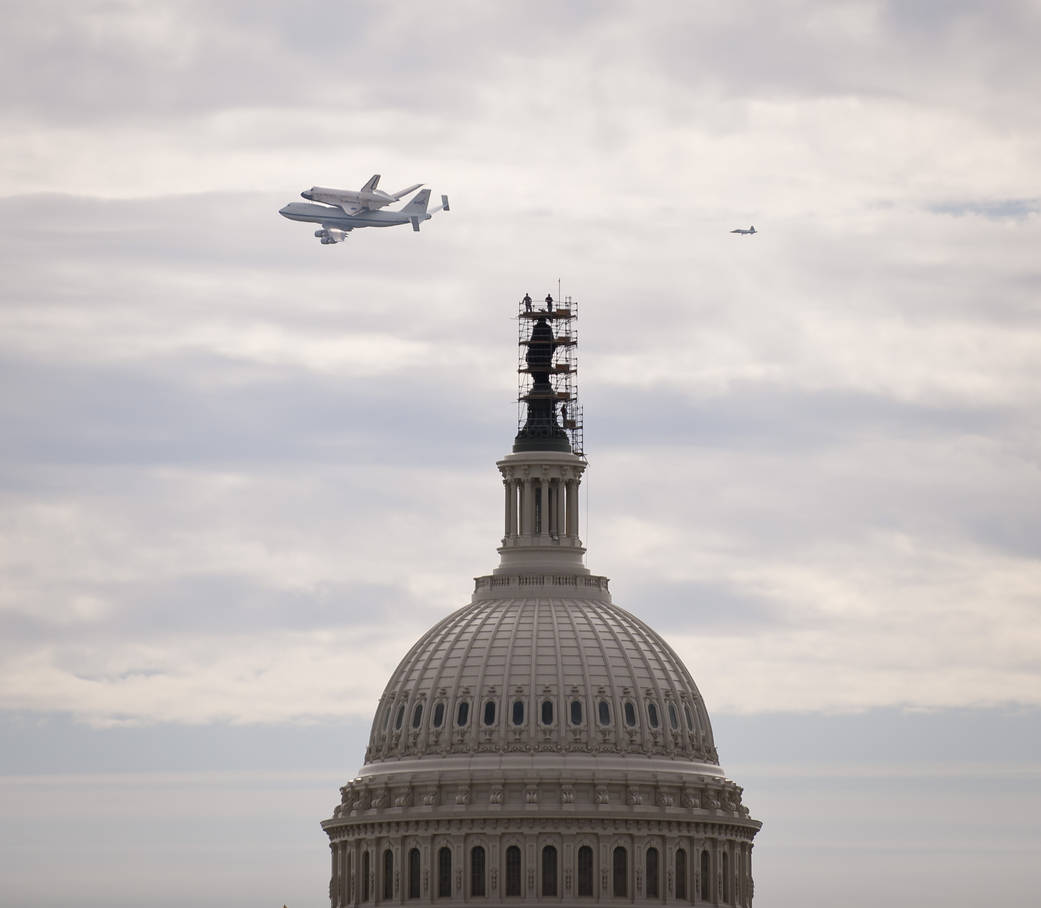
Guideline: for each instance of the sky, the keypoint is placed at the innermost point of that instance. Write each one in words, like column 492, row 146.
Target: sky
column 240, row 472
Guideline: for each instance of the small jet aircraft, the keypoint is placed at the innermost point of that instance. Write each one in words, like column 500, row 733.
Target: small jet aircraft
column 747, row 232
column 344, row 210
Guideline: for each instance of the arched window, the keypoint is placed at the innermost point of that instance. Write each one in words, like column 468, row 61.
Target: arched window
column 439, row 715
column 681, row 873
column 365, row 893
column 653, row 887
column 585, row 871
column 620, row 874
column 549, row 871
column 630, row 713
column 726, row 877
column 477, row 871
column 413, row 873
column 604, row 712
column 401, row 717
column 706, row 882
column 674, row 721
column 576, row 712
column 417, row 715
column 518, row 712
column 690, row 717
column 388, row 874
column 489, row 712
column 652, row 714
column 547, row 712
column 513, row 870
column 462, row 715
column 444, row 873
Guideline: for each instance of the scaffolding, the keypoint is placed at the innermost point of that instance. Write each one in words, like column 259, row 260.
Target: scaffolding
column 562, row 316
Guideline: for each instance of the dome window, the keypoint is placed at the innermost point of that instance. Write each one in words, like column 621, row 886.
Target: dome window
column 400, row 718
column 690, row 718
column 604, row 712
column 477, row 887
column 513, row 871
column 652, row 714
column 439, row 715
column 417, row 715
column 489, row 712
column 413, row 873
column 630, row 714
column 518, row 712
column 585, row 871
column 462, row 716
column 576, row 712
column 547, row 712
column 388, row 874
column 620, row 866
column 673, row 718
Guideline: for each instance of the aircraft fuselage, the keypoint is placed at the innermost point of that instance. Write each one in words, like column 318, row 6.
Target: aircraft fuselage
column 337, row 217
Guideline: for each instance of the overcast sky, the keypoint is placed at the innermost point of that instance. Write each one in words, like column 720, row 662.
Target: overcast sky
column 241, row 472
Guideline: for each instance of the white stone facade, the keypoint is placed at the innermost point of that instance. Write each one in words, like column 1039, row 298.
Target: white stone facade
column 541, row 745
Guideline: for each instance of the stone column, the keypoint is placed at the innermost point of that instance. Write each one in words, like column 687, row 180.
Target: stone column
column 333, row 876
column 558, row 511
column 528, row 507
column 544, row 507
column 572, row 509
column 508, row 510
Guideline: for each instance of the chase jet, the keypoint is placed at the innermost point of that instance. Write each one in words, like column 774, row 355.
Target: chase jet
column 747, row 232
column 344, row 210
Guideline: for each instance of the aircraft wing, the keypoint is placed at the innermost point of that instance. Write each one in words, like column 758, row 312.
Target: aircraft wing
column 351, row 208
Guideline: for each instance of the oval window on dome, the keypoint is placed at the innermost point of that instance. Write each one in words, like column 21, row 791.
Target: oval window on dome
column 652, row 714
column 417, row 715
column 603, row 712
column 401, row 717
column 439, row 715
column 462, row 714
column 576, row 712
column 690, row 718
column 630, row 713
column 518, row 712
column 674, row 720
column 547, row 712
column 489, row 712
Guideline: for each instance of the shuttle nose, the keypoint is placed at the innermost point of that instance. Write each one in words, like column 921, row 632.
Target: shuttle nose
column 308, row 194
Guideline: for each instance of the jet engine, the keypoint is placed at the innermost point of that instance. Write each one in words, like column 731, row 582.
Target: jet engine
column 330, row 235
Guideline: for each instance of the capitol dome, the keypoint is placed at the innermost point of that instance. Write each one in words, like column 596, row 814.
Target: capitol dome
column 568, row 673
column 541, row 744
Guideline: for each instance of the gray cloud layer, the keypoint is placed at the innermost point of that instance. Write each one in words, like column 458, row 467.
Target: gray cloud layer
column 232, row 459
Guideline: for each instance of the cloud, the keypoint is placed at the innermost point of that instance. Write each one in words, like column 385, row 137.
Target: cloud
column 232, row 457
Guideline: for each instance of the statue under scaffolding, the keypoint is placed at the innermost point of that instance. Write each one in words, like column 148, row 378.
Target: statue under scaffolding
column 549, row 416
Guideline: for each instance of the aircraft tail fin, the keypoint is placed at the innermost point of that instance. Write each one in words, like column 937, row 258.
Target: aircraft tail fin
column 419, row 204
column 371, row 185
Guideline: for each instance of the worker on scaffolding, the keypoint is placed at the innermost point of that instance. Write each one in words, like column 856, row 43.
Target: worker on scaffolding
column 527, row 302
column 549, row 303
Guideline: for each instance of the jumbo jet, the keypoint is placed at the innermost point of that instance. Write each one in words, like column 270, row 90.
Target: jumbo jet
column 747, row 232
column 346, row 210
